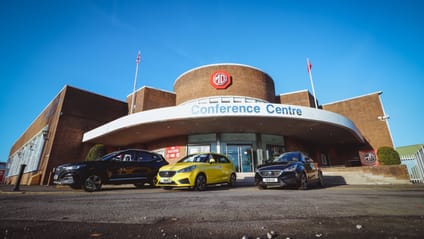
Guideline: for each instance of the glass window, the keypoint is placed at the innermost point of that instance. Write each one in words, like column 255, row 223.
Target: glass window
column 195, row 158
column 146, row 156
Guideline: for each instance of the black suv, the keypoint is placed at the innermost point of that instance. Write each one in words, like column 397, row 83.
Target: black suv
column 289, row 169
column 133, row 166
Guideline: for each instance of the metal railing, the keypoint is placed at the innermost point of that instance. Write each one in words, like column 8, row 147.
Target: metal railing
column 415, row 165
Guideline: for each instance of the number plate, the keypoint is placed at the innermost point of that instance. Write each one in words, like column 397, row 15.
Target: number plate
column 165, row 180
column 270, row 180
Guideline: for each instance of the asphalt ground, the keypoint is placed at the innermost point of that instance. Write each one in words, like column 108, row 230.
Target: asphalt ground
column 370, row 211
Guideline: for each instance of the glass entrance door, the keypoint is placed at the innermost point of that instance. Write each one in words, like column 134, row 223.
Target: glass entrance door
column 241, row 156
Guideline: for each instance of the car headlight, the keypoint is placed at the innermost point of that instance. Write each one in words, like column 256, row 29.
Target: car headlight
column 186, row 170
column 73, row 167
column 290, row 168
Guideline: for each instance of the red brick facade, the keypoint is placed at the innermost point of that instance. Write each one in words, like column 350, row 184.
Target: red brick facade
column 367, row 114
column 246, row 81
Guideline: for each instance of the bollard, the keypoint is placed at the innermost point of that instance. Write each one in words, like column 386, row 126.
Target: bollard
column 18, row 182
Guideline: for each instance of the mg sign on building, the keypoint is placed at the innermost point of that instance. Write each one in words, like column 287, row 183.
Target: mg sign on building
column 220, row 79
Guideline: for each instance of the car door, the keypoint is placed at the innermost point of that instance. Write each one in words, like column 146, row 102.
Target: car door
column 213, row 170
column 115, row 166
column 226, row 168
column 128, row 166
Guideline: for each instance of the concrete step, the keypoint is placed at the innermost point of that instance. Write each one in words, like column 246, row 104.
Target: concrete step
column 358, row 176
column 339, row 176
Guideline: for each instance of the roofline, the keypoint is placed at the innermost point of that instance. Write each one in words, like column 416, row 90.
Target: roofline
column 298, row 91
column 356, row 97
column 49, row 103
column 38, row 116
column 150, row 87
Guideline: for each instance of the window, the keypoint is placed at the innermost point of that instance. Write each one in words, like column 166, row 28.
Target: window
column 29, row 154
column 221, row 159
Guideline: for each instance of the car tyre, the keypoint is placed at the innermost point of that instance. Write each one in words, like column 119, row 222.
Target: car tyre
column 92, row 183
column 233, row 179
column 303, row 183
column 153, row 182
column 321, row 181
column 200, row 183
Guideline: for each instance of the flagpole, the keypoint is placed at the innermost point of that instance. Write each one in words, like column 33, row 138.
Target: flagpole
column 309, row 65
column 137, row 61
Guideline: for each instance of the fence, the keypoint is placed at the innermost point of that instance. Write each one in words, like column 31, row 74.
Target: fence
column 415, row 165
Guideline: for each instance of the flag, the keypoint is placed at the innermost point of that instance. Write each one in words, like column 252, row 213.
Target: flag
column 309, row 65
column 138, row 58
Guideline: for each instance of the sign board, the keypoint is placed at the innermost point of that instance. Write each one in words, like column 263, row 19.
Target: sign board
column 220, row 79
column 172, row 152
column 368, row 158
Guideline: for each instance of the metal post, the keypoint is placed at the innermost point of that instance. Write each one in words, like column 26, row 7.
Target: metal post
column 18, row 182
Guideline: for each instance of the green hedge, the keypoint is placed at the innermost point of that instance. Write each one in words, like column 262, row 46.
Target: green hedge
column 95, row 152
column 388, row 156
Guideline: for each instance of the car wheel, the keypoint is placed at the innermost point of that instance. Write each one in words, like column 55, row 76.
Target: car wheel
column 303, row 184
column 153, row 182
column 92, row 183
column 321, row 180
column 200, row 183
column 232, row 180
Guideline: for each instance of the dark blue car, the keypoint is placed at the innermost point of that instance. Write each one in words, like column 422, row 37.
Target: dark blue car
column 131, row 166
column 289, row 169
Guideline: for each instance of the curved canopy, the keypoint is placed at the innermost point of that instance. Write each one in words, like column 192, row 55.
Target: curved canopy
column 304, row 123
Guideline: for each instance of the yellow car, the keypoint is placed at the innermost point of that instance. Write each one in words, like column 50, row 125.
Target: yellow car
column 196, row 171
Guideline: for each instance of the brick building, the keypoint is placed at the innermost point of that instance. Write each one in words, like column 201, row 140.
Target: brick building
column 227, row 108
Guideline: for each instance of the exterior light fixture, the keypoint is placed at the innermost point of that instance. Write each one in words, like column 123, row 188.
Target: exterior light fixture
column 383, row 118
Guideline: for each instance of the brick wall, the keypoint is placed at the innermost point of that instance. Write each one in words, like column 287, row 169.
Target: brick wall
column 148, row 98
column 246, row 81
column 364, row 112
column 302, row 98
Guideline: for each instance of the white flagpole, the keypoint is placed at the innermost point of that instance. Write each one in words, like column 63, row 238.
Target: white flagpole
column 308, row 64
column 137, row 61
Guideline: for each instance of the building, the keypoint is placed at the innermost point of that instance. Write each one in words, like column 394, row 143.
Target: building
column 227, row 108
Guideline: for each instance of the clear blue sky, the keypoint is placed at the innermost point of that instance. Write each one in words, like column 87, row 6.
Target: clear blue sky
column 356, row 47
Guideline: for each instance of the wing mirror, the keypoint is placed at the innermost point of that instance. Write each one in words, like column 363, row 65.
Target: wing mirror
column 211, row 161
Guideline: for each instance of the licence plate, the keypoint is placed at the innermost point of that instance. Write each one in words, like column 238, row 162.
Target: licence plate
column 270, row 180
column 165, row 180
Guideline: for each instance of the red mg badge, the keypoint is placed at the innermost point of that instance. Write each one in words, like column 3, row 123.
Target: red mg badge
column 220, row 79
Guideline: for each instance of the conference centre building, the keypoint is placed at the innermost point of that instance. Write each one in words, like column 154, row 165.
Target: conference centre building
column 231, row 109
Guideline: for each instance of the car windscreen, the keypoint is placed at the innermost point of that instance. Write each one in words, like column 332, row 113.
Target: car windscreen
column 288, row 157
column 195, row 158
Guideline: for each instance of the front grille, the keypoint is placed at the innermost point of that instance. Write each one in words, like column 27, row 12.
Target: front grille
column 167, row 174
column 270, row 173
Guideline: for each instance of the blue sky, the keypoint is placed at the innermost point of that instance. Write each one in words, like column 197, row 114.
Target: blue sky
column 356, row 47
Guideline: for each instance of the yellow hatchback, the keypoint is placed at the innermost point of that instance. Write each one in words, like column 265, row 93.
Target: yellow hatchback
column 196, row 171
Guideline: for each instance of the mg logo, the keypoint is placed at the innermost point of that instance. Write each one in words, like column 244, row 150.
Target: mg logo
column 220, row 79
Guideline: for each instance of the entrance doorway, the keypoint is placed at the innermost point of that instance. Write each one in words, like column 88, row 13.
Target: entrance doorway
column 241, row 156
